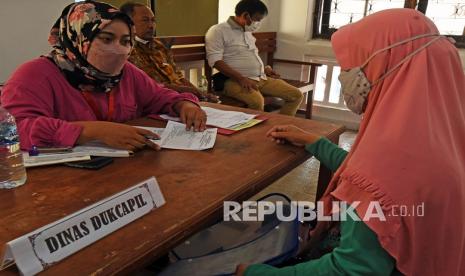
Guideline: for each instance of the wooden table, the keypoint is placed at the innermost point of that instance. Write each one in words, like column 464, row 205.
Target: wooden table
column 194, row 183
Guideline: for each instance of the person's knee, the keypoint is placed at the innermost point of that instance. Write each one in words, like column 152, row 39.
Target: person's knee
column 288, row 92
column 256, row 102
column 253, row 99
column 294, row 95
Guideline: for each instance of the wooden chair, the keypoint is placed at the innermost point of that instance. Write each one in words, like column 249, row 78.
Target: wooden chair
column 266, row 43
column 192, row 48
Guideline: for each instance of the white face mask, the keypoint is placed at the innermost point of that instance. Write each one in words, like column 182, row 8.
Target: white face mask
column 109, row 59
column 355, row 86
column 253, row 27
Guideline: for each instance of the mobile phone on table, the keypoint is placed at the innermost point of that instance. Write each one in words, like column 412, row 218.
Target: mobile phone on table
column 95, row 163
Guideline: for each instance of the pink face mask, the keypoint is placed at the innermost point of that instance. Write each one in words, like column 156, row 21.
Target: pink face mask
column 355, row 86
column 109, row 59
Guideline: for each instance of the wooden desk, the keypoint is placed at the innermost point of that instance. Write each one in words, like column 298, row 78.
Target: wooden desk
column 194, row 183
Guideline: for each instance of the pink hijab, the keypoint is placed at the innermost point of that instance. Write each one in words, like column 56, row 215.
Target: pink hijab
column 411, row 145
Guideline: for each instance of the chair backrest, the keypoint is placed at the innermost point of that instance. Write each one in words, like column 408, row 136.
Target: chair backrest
column 266, row 44
column 192, row 48
column 185, row 48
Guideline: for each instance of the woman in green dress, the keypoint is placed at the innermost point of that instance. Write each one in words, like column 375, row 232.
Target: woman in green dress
column 407, row 81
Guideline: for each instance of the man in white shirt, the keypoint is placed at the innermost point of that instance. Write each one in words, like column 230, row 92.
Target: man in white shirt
column 231, row 50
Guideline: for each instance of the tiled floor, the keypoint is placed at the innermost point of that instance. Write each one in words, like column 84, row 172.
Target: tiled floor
column 301, row 183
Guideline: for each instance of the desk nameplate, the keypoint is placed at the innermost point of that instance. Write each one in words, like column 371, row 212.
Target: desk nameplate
column 40, row 249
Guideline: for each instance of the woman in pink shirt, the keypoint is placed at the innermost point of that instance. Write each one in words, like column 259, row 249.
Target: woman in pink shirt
column 85, row 88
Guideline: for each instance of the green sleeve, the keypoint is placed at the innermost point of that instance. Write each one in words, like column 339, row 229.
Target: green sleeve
column 359, row 253
column 328, row 153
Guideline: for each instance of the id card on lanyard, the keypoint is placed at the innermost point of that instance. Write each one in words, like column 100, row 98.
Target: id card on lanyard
column 93, row 105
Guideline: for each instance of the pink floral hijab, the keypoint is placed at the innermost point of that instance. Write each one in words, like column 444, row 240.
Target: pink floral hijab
column 411, row 146
column 77, row 26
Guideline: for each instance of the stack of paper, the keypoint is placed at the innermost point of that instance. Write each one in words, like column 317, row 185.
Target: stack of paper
column 226, row 119
column 233, row 120
column 53, row 158
column 245, row 125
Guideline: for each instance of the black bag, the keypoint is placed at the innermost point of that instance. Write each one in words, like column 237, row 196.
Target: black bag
column 218, row 80
column 217, row 249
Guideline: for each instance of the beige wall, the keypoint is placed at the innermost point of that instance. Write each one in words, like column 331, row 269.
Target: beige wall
column 185, row 17
column 118, row 3
column 181, row 17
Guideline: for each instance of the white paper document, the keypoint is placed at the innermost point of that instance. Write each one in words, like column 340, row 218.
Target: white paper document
column 175, row 136
column 170, row 118
column 156, row 130
column 220, row 118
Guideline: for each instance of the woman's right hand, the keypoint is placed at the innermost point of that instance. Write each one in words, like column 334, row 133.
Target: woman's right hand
column 117, row 135
column 292, row 134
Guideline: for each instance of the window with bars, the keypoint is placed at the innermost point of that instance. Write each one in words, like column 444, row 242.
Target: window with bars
column 448, row 15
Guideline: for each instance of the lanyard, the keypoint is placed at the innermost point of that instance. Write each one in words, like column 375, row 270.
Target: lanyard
column 111, row 105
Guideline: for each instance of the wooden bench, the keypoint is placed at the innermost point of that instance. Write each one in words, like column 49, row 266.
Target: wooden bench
column 192, row 48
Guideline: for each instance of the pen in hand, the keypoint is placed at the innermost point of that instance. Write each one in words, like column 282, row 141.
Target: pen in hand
column 150, row 137
column 151, row 141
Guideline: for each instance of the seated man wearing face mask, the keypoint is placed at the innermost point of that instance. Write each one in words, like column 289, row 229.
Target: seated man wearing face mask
column 231, row 50
column 150, row 55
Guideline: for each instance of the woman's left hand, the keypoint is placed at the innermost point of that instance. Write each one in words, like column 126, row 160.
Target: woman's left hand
column 191, row 115
column 292, row 134
column 240, row 269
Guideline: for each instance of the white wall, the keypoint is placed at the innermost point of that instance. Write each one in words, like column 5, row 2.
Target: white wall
column 226, row 9
column 269, row 23
column 295, row 25
column 24, row 29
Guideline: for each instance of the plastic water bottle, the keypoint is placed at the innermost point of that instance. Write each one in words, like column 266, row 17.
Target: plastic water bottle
column 12, row 171
column 203, row 85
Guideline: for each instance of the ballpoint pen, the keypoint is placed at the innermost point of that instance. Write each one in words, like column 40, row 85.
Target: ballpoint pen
column 151, row 137
column 36, row 150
